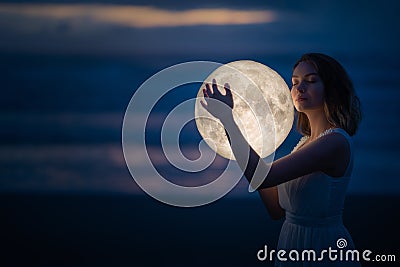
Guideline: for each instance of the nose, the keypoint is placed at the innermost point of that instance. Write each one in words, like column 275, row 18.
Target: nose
column 301, row 87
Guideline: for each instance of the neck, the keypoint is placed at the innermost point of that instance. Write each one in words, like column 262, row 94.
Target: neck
column 318, row 123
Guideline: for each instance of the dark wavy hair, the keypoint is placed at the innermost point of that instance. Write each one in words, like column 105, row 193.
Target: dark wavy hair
column 342, row 106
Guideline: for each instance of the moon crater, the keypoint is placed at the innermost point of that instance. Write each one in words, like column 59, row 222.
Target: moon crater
column 263, row 108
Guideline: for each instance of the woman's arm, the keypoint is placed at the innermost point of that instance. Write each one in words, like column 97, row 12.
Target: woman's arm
column 329, row 154
column 220, row 106
column 270, row 198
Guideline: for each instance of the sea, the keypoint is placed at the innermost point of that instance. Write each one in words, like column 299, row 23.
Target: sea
column 61, row 122
column 67, row 196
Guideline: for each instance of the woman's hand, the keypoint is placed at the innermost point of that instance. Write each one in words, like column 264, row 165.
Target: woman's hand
column 217, row 104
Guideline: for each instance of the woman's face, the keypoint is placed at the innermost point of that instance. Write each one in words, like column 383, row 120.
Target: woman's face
column 307, row 88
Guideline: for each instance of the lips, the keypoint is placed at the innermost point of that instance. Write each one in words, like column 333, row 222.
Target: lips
column 300, row 99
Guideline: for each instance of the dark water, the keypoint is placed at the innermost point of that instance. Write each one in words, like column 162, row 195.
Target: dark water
column 62, row 114
column 122, row 230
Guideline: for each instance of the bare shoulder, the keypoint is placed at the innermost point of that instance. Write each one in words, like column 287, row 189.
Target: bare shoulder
column 329, row 154
column 333, row 142
column 335, row 151
column 325, row 146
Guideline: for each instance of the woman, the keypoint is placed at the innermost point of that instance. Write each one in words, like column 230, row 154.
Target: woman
column 307, row 186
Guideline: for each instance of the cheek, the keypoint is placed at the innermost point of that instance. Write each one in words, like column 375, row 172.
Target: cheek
column 292, row 93
column 319, row 93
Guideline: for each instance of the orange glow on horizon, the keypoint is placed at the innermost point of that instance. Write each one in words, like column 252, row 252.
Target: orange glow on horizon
column 139, row 16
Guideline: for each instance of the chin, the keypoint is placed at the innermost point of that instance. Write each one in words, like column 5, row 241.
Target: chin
column 299, row 108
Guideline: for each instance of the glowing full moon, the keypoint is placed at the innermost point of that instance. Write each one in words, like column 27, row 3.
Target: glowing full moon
column 263, row 108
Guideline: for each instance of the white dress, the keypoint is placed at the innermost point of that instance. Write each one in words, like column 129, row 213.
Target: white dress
column 314, row 205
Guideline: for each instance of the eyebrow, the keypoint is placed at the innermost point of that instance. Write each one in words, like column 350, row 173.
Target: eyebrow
column 309, row 74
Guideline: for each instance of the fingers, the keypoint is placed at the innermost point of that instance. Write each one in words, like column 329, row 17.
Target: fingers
column 205, row 93
column 204, row 104
column 227, row 88
column 215, row 86
column 208, row 92
column 212, row 91
column 216, row 92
